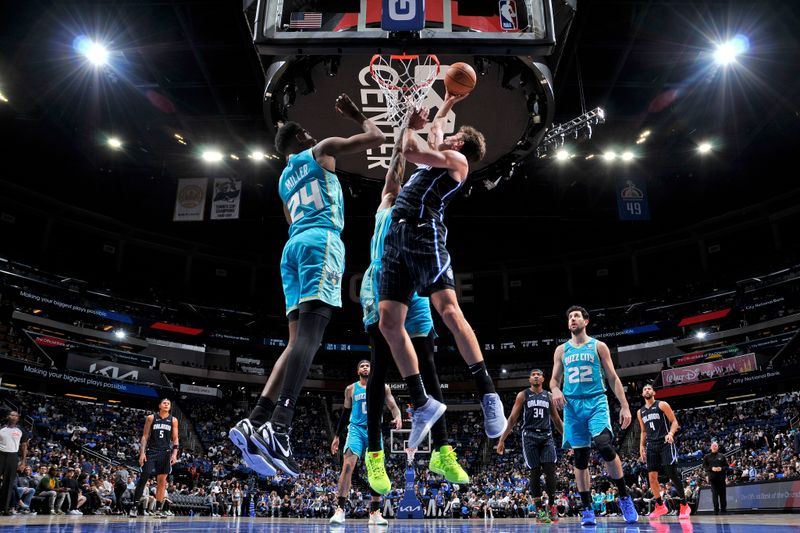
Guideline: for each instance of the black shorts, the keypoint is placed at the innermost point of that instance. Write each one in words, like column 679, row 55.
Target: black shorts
column 415, row 259
column 157, row 463
column 660, row 454
column 538, row 448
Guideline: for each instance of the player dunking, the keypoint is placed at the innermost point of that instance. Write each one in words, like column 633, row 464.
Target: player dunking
column 538, row 449
column 418, row 324
column 657, row 447
column 586, row 414
column 312, row 267
column 355, row 411
column 158, row 451
column 415, row 260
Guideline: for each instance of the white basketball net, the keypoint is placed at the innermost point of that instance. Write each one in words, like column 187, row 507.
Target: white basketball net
column 404, row 81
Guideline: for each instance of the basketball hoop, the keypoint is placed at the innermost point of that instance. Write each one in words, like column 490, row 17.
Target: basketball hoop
column 404, row 81
column 410, row 452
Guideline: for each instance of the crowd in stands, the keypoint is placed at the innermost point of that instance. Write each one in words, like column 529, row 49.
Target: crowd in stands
column 218, row 483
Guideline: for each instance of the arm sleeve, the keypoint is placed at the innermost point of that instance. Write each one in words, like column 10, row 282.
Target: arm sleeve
column 343, row 420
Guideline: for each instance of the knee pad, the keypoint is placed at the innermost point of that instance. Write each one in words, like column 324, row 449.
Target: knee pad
column 581, row 458
column 603, row 444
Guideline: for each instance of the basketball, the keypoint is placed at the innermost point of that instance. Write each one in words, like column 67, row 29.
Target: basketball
column 460, row 79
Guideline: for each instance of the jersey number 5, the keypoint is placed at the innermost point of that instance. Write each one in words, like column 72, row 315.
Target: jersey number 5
column 579, row 374
column 302, row 197
column 160, row 433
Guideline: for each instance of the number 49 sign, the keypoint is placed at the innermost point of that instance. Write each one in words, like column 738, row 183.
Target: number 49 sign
column 632, row 201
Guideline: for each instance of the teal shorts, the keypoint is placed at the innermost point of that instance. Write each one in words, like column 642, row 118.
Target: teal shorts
column 585, row 418
column 312, row 267
column 357, row 440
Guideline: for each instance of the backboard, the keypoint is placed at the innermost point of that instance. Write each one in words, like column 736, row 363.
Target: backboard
column 398, row 442
column 503, row 27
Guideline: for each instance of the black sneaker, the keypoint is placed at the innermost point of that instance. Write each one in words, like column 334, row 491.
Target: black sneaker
column 276, row 445
column 241, row 435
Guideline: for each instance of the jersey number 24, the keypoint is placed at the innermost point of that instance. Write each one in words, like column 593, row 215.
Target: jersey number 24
column 302, row 197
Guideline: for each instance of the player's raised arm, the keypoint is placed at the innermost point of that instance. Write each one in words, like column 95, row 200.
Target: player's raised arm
column 418, row 152
column 372, row 137
column 615, row 384
column 436, row 135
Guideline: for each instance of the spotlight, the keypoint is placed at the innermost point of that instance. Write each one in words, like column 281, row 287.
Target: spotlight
column 3, row 98
column 212, row 156
column 114, row 143
column 563, row 155
column 704, row 147
column 627, row 156
column 256, row 155
column 726, row 53
column 610, row 156
column 700, row 335
column 120, row 334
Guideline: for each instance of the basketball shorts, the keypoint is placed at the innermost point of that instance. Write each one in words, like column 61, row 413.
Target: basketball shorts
column 312, row 267
column 538, row 448
column 419, row 321
column 157, row 463
column 585, row 418
column 660, row 454
column 415, row 259
column 357, row 440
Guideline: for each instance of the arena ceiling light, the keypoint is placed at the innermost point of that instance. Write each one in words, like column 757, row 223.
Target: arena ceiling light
column 114, row 143
column 256, row 155
column 627, row 156
column 212, row 156
column 727, row 52
column 3, row 98
column 563, row 155
column 610, row 155
column 95, row 52
column 120, row 334
column 704, row 147
column 700, row 335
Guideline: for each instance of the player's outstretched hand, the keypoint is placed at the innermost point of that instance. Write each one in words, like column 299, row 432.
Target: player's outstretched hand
column 347, row 108
column 453, row 99
column 624, row 417
column 418, row 118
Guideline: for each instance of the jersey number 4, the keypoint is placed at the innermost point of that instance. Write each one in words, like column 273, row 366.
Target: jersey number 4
column 579, row 374
column 302, row 197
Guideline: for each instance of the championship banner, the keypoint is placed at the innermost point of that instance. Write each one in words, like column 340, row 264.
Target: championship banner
column 714, row 369
column 190, row 202
column 225, row 202
column 632, row 201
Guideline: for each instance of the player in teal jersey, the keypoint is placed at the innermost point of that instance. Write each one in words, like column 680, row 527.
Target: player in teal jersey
column 586, row 362
column 419, row 325
column 355, row 410
column 312, row 266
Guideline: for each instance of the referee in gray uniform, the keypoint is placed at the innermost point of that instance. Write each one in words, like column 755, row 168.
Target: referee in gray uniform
column 13, row 440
